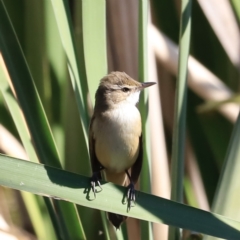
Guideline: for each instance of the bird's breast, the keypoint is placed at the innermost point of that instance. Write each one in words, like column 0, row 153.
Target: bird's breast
column 116, row 133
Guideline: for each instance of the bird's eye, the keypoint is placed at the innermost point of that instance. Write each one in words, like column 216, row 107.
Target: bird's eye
column 125, row 89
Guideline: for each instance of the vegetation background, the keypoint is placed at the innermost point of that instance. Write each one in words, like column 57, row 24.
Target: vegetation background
column 69, row 46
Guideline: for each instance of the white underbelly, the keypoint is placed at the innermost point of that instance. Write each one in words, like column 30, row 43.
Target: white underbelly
column 117, row 140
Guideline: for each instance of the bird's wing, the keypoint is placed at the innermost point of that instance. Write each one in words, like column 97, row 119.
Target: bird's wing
column 137, row 166
column 96, row 166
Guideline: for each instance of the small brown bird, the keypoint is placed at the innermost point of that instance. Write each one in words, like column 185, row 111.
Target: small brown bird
column 115, row 135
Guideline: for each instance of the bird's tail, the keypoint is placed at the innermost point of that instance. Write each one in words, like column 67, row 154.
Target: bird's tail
column 116, row 219
column 120, row 179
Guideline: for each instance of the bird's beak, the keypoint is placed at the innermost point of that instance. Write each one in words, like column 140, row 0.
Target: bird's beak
column 146, row 84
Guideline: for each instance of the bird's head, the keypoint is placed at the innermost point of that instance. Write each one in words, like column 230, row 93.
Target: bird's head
column 118, row 87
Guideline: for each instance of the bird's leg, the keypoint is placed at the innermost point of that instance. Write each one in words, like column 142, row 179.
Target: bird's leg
column 130, row 193
column 94, row 180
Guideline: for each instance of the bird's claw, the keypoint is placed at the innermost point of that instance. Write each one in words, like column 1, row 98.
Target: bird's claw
column 95, row 182
column 131, row 196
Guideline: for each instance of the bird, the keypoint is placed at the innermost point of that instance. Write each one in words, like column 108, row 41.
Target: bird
column 115, row 135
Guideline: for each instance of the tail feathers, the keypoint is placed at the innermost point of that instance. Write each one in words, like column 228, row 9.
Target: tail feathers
column 116, row 219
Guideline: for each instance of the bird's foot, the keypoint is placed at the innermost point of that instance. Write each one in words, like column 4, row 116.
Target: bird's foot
column 131, row 196
column 94, row 183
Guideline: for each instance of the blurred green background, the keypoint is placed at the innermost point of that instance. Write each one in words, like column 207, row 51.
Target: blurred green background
column 66, row 64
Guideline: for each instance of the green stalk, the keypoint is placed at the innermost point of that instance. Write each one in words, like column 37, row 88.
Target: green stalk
column 62, row 185
column 78, row 78
column 178, row 147
column 228, row 187
column 57, row 78
column 94, row 42
column 91, row 42
column 146, row 228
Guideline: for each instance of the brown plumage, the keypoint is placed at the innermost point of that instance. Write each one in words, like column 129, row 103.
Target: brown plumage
column 115, row 138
